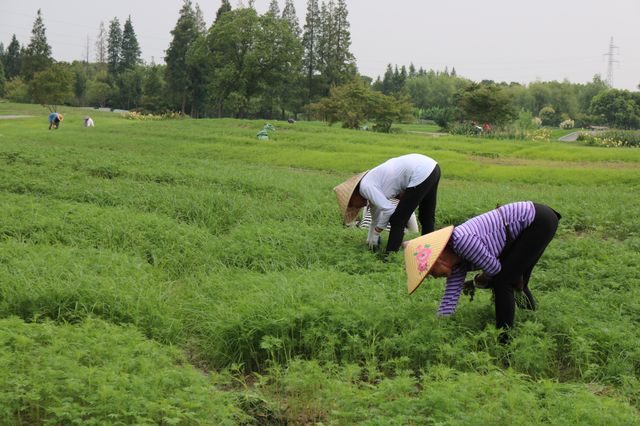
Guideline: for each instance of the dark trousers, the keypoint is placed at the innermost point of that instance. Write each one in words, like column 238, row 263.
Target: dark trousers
column 421, row 196
column 518, row 262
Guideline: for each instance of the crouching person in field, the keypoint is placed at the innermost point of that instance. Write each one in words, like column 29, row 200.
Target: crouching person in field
column 412, row 178
column 54, row 120
column 505, row 243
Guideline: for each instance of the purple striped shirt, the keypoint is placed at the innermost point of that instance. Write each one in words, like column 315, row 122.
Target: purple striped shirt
column 479, row 241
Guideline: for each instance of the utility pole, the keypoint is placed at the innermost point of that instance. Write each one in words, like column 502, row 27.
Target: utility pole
column 611, row 61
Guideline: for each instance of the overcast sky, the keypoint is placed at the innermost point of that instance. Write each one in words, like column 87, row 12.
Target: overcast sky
column 501, row 40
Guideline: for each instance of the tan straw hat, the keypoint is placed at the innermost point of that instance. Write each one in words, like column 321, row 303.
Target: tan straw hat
column 421, row 253
column 344, row 191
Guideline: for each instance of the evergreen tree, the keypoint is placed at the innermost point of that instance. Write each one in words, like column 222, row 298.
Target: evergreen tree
column 199, row 65
column 152, row 89
column 37, row 55
column 343, row 58
column 2, row 52
column 412, row 70
column 130, row 50
column 338, row 64
column 325, row 44
column 274, row 9
column 176, row 73
column 201, row 25
column 289, row 15
column 387, row 81
column 13, row 59
column 101, row 45
column 80, row 82
column 114, row 46
column 224, row 8
column 2, row 79
column 453, row 72
column 310, row 40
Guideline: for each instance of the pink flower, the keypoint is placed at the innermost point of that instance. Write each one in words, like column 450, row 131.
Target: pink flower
column 422, row 257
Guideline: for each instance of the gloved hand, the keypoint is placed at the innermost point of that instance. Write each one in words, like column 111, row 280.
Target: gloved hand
column 374, row 239
column 481, row 281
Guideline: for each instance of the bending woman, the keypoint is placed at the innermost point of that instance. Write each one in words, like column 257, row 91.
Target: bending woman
column 412, row 178
column 505, row 243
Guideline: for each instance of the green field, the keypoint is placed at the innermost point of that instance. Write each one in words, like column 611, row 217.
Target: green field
column 183, row 272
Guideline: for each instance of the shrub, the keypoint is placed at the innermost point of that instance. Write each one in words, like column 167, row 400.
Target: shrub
column 548, row 116
column 567, row 124
column 612, row 138
column 17, row 91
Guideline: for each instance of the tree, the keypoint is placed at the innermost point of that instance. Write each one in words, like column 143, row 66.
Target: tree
column 587, row 92
column 12, row 59
column 235, row 72
column 101, row 45
column 80, row 82
column 130, row 50
column 97, row 93
column 37, row 56
column 274, row 9
column 251, row 59
column 152, row 90
column 16, row 90
column 53, row 86
column 279, row 52
column 548, row 116
column 114, row 47
column 340, row 66
column 3, row 80
column 434, row 90
column 198, row 68
column 201, row 25
column 618, row 108
column 310, row 39
column 224, row 8
column 289, row 15
column 176, row 73
column 130, row 85
column 486, row 103
column 355, row 103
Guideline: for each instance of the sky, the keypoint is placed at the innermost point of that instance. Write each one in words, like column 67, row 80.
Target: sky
column 500, row 40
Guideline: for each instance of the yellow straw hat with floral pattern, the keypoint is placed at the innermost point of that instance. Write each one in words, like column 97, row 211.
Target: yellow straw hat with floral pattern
column 344, row 192
column 421, row 253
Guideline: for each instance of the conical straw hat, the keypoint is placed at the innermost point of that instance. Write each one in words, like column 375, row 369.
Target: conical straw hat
column 344, row 191
column 421, row 253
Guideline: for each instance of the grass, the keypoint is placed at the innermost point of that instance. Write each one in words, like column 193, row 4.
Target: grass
column 221, row 260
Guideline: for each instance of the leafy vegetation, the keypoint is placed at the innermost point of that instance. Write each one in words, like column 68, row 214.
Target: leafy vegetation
column 182, row 271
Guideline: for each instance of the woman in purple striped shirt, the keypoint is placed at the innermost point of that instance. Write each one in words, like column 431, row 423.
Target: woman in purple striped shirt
column 505, row 244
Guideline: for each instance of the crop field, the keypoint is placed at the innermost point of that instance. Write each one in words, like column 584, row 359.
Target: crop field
column 184, row 272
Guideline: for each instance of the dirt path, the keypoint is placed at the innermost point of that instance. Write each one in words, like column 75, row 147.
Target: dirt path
column 8, row 117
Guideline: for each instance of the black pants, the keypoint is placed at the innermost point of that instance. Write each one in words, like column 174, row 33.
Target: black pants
column 421, row 196
column 518, row 262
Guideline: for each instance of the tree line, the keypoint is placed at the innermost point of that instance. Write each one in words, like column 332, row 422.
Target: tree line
column 267, row 65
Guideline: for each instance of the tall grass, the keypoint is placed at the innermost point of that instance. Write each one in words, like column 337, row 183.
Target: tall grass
column 230, row 250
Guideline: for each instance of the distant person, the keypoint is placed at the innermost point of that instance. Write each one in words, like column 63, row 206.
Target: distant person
column 505, row 243
column 88, row 122
column 55, row 119
column 412, row 178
